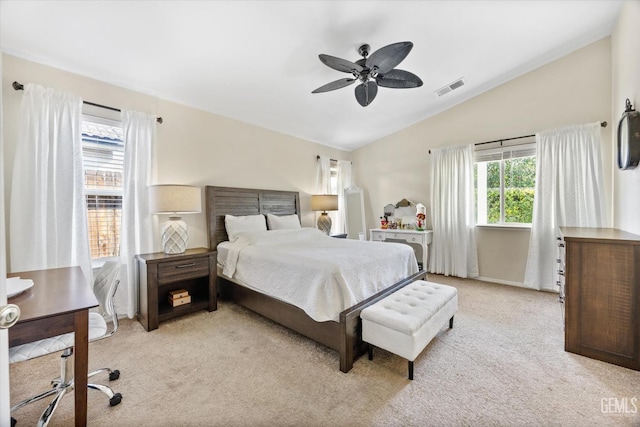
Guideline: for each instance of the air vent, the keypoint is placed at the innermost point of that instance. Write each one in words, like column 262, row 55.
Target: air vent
column 451, row 86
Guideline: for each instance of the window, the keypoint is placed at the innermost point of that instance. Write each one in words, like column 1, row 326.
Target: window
column 103, row 159
column 334, row 176
column 505, row 183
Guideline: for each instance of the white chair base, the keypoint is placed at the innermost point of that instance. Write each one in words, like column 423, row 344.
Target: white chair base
column 64, row 384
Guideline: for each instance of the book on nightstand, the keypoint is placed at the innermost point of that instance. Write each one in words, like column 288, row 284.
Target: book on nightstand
column 179, row 297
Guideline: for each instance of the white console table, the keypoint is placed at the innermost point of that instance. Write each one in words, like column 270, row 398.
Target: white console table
column 413, row 237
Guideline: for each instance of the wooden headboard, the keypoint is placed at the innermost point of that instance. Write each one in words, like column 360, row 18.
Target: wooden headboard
column 221, row 201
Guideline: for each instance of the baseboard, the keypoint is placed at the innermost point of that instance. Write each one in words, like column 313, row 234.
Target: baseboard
column 501, row 282
column 510, row 283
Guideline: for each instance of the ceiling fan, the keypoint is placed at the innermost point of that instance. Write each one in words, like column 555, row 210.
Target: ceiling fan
column 377, row 69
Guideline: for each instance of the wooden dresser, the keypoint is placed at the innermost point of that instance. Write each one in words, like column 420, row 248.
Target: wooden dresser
column 602, row 302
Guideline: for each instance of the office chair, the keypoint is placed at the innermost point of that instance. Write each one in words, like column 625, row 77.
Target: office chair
column 104, row 287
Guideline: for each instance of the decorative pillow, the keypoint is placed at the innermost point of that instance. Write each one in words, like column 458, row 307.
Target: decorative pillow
column 283, row 222
column 241, row 224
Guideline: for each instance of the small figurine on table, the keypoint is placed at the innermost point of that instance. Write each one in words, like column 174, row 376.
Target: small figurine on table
column 421, row 216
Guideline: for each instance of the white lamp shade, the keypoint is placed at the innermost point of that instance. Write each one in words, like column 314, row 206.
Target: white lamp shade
column 324, row 202
column 173, row 199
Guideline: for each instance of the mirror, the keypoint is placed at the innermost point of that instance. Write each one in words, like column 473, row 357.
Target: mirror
column 354, row 213
column 629, row 138
column 405, row 214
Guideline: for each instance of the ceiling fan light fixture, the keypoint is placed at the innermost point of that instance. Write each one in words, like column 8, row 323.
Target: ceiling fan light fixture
column 377, row 69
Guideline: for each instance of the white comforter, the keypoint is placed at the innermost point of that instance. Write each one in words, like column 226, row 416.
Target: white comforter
column 317, row 273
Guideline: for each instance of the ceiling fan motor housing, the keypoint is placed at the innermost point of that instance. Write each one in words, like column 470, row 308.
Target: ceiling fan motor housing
column 364, row 50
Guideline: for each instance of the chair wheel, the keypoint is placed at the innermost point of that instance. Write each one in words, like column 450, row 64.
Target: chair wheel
column 114, row 375
column 116, row 399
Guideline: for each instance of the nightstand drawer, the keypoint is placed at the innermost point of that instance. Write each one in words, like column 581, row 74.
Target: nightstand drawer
column 173, row 271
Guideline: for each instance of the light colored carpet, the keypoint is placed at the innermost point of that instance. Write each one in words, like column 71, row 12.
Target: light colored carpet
column 502, row 364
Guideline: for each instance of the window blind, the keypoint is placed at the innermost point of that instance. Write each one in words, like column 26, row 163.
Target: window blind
column 508, row 150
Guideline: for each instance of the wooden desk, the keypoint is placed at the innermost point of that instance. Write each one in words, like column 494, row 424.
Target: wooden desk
column 58, row 303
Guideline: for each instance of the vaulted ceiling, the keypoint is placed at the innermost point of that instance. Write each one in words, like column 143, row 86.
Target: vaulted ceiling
column 257, row 61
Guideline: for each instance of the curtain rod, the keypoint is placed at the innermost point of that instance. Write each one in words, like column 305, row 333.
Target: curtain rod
column 602, row 124
column 18, row 86
column 333, row 160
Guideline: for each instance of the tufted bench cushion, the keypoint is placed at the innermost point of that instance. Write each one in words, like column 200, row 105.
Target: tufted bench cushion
column 407, row 320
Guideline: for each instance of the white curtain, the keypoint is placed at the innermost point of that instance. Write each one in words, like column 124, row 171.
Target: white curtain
column 48, row 219
column 453, row 249
column 569, row 192
column 139, row 139
column 344, row 181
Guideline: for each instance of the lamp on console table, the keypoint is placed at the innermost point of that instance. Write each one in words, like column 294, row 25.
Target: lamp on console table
column 174, row 200
column 324, row 203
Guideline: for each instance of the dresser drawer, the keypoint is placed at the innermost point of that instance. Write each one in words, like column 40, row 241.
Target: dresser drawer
column 378, row 236
column 173, row 271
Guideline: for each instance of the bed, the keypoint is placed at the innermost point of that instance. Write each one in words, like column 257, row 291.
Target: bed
column 343, row 333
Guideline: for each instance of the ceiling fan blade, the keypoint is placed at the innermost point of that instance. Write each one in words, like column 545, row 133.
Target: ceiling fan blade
column 398, row 79
column 366, row 93
column 334, row 85
column 340, row 64
column 386, row 58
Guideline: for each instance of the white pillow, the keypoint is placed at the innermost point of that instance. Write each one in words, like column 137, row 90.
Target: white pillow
column 241, row 224
column 284, row 222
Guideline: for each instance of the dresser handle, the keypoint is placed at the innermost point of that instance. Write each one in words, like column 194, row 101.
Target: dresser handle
column 561, row 272
column 186, row 265
column 561, row 245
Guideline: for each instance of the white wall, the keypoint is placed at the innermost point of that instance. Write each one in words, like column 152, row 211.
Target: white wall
column 575, row 89
column 194, row 147
column 199, row 148
column 625, row 48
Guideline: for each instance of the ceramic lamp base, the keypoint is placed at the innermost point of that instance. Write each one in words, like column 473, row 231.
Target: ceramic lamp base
column 174, row 236
column 324, row 223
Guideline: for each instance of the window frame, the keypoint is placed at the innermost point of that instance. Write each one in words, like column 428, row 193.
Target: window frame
column 333, row 179
column 102, row 119
column 501, row 151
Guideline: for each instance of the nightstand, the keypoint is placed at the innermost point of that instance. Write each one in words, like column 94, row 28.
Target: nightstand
column 159, row 274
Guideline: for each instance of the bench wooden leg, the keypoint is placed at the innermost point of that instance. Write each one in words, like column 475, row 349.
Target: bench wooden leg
column 451, row 322
column 410, row 370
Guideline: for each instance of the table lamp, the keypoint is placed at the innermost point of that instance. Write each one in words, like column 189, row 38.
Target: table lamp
column 324, row 203
column 174, row 200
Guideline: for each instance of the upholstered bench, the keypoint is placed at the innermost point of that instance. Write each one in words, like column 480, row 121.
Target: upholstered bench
column 407, row 320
